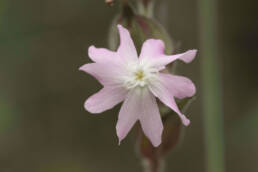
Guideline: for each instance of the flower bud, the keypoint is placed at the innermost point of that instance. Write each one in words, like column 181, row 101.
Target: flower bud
column 141, row 29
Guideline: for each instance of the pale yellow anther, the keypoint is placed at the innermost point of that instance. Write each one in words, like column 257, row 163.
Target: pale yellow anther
column 139, row 75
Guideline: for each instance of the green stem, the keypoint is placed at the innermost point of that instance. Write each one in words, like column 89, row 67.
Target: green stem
column 155, row 165
column 212, row 101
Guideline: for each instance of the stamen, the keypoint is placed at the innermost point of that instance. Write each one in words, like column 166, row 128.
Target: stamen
column 139, row 74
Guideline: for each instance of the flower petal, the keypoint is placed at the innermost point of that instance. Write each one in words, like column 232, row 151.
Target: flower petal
column 186, row 57
column 150, row 119
column 105, row 99
column 102, row 55
column 178, row 86
column 126, row 50
column 140, row 104
column 105, row 73
column 160, row 91
column 129, row 114
column 152, row 48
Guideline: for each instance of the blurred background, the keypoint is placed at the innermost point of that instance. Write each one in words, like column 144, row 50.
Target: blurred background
column 43, row 125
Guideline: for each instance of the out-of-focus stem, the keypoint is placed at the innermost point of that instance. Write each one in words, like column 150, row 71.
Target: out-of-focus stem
column 146, row 2
column 153, row 165
column 125, row 1
column 212, row 101
column 145, row 7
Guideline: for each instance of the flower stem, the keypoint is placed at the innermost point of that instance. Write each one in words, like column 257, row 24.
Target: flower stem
column 212, row 104
column 153, row 165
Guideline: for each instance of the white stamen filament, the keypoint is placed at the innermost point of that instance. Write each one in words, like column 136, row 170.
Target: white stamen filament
column 140, row 74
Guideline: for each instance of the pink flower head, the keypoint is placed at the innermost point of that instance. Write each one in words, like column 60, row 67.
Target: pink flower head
column 137, row 81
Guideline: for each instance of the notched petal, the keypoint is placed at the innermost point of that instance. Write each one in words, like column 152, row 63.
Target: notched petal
column 188, row 56
column 178, row 86
column 105, row 99
column 160, row 91
column 126, row 49
column 101, row 55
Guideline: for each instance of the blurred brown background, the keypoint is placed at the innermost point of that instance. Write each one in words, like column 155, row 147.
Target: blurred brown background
column 43, row 126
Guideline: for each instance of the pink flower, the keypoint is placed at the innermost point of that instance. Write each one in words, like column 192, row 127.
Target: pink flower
column 137, row 82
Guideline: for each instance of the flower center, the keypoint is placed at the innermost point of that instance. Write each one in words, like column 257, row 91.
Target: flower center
column 139, row 75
